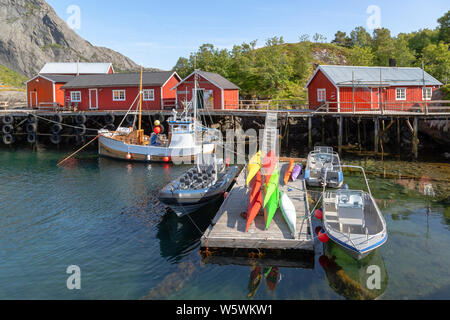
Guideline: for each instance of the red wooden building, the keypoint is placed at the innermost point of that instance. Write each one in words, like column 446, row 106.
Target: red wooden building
column 214, row 91
column 119, row 91
column 348, row 88
column 45, row 89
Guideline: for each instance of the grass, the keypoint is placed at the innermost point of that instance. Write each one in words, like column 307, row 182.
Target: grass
column 11, row 78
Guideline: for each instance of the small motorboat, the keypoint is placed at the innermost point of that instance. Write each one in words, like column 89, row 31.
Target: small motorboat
column 321, row 160
column 353, row 220
column 197, row 187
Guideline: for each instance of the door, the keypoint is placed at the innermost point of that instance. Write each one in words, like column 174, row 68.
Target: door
column 200, row 98
column 93, row 99
column 375, row 105
column 33, row 99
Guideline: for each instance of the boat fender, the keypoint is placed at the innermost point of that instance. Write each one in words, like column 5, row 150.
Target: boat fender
column 31, row 137
column 56, row 129
column 109, row 118
column 80, row 119
column 81, row 130
column 319, row 214
column 56, row 139
column 130, row 119
column 57, row 118
column 31, row 118
column 323, row 237
column 31, row 127
column 341, row 176
column 8, row 139
column 8, row 129
column 8, row 119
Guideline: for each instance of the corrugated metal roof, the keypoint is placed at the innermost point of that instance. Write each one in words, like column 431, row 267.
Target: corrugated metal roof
column 218, row 79
column 120, row 79
column 76, row 68
column 58, row 78
column 390, row 76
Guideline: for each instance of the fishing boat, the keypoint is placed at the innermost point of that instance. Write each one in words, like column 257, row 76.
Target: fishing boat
column 198, row 187
column 321, row 160
column 186, row 139
column 352, row 219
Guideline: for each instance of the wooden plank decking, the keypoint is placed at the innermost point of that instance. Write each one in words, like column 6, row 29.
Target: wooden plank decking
column 228, row 227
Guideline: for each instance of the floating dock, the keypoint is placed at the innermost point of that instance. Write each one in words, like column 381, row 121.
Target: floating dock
column 228, row 227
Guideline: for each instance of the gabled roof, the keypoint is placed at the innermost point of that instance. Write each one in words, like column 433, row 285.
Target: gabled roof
column 76, row 68
column 54, row 78
column 342, row 76
column 214, row 78
column 153, row 79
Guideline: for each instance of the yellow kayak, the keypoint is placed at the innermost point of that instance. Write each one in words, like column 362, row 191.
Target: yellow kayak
column 254, row 166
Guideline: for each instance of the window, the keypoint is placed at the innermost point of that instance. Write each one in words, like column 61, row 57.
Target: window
column 118, row 95
column 400, row 94
column 75, row 96
column 321, row 95
column 427, row 93
column 149, row 95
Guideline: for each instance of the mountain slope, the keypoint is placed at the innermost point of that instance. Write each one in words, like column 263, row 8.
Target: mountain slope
column 32, row 34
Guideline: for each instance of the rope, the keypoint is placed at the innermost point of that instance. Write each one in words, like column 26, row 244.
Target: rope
column 73, row 154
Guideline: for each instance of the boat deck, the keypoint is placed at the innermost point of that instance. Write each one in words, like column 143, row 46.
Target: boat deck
column 228, row 227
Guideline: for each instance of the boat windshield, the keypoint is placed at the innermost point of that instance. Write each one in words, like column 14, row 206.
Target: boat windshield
column 350, row 199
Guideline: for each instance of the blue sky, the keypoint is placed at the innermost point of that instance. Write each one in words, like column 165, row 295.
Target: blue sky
column 157, row 33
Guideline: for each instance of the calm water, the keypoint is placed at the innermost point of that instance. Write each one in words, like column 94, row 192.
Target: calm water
column 104, row 216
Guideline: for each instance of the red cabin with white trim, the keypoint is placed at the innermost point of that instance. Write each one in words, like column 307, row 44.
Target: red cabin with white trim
column 120, row 91
column 348, row 88
column 214, row 91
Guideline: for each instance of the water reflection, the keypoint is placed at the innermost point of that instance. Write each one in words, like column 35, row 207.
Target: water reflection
column 270, row 274
column 366, row 279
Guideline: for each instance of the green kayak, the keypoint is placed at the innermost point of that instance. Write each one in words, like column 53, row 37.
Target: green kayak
column 271, row 186
column 272, row 207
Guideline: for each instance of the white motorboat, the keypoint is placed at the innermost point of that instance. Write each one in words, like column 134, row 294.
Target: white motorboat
column 321, row 160
column 353, row 220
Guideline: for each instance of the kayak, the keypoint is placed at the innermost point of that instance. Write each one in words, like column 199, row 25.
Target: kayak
column 272, row 207
column 289, row 213
column 253, row 209
column 255, row 186
column 269, row 164
column 296, row 172
column 254, row 166
column 271, row 186
column 288, row 173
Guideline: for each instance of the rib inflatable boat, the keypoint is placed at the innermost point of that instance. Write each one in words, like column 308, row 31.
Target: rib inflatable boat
column 197, row 187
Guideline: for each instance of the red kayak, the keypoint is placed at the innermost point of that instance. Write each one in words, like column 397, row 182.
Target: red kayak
column 254, row 208
column 269, row 164
column 255, row 186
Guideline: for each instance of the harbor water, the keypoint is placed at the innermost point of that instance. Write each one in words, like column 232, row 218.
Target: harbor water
column 104, row 216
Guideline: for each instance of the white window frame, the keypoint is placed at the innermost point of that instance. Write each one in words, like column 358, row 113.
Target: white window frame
column 148, row 91
column 119, row 99
column 321, row 95
column 72, row 96
column 424, row 95
column 397, row 90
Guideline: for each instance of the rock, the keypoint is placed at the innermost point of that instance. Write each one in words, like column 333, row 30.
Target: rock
column 32, row 34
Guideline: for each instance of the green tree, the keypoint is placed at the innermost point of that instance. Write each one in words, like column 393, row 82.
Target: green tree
column 437, row 61
column 383, row 46
column 341, row 39
column 402, row 53
column 361, row 56
column 360, row 37
column 444, row 28
column 418, row 40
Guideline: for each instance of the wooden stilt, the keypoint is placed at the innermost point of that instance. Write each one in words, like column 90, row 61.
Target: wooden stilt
column 341, row 124
column 415, row 139
column 310, row 132
column 323, row 131
column 359, row 134
column 377, row 137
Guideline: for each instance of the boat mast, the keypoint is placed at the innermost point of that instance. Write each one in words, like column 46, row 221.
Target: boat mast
column 140, row 131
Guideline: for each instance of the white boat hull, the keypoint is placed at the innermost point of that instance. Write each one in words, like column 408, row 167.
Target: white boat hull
column 117, row 149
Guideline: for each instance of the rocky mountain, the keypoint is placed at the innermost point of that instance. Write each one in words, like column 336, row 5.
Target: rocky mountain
column 31, row 34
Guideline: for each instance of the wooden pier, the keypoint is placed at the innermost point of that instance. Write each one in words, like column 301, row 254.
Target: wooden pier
column 228, row 227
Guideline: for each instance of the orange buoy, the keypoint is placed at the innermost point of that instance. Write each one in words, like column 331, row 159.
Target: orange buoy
column 129, row 156
column 323, row 237
column 319, row 214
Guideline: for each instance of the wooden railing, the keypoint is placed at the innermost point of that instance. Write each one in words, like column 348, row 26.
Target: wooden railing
column 398, row 107
column 269, row 104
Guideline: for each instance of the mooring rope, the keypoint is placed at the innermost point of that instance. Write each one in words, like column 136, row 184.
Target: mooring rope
column 73, row 154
